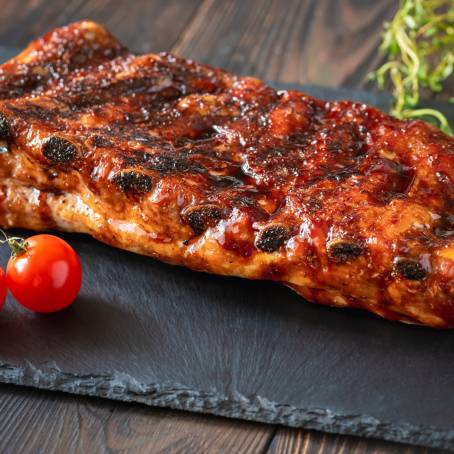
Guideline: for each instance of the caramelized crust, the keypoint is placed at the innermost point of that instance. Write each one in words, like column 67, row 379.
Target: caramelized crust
column 198, row 167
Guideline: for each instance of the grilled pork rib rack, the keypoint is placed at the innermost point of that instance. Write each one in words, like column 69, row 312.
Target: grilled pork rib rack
column 198, row 167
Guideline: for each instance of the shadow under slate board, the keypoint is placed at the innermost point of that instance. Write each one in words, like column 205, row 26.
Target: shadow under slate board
column 162, row 335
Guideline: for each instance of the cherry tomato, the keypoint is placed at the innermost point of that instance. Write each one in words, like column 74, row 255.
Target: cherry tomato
column 47, row 276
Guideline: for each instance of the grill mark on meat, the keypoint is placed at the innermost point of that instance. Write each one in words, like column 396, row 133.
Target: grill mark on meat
column 59, row 150
column 342, row 251
column 5, row 130
column 101, row 142
column 271, row 238
column 133, row 182
column 161, row 163
column 200, row 217
column 409, row 269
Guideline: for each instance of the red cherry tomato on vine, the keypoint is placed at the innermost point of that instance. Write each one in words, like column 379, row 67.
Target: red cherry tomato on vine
column 46, row 276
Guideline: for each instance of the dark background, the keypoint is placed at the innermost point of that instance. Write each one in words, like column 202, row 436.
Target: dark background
column 297, row 41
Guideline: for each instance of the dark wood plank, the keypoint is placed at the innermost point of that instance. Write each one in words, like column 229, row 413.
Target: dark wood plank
column 35, row 421
column 313, row 41
column 143, row 25
column 295, row 441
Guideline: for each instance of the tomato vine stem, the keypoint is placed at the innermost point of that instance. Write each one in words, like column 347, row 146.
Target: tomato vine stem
column 17, row 244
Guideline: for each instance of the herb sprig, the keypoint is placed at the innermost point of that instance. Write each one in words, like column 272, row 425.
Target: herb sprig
column 419, row 44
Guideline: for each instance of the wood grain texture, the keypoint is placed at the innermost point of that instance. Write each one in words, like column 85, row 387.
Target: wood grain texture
column 314, row 41
column 311, row 41
column 293, row 441
column 43, row 422
column 143, row 25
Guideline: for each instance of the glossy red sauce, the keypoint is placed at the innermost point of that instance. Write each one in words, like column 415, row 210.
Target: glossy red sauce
column 338, row 189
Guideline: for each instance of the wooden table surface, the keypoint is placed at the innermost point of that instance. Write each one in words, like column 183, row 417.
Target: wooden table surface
column 326, row 42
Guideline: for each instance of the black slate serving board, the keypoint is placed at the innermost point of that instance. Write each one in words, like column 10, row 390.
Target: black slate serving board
column 163, row 335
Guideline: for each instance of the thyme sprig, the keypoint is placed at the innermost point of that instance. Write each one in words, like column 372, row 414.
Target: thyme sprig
column 419, row 45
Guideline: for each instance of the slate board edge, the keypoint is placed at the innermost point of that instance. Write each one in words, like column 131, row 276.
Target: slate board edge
column 122, row 387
